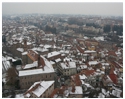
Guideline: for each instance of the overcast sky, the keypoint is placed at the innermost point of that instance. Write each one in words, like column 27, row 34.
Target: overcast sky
column 64, row 8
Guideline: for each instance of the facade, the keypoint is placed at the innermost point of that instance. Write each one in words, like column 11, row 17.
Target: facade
column 31, row 76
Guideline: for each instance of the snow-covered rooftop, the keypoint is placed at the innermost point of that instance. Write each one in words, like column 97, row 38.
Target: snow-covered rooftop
column 58, row 60
column 47, row 46
column 78, row 90
column 105, row 64
column 40, row 49
column 34, row 64
column 89, row 51
column 47, row 69
column 52, row 62
column 82, row 77
column 101, row 38
column 24, row 53
column 44, row 85
column 116, row 93
column 20, row 49
column 69, row 65
column 53, row 54
column 7, row 58
column 93, row 62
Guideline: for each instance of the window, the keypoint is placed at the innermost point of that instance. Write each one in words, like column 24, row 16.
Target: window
column 50, row 75
column 46, row 76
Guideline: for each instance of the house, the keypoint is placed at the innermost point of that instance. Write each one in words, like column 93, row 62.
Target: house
column 41, row 70
column 41, row 89
column 67, row 68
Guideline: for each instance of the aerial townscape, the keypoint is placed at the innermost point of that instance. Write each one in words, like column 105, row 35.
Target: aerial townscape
column 62, row 56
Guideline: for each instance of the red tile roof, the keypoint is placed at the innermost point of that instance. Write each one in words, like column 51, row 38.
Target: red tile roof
column 88, row 72
column 112, row 53
column 113, row 77
column 76, row 80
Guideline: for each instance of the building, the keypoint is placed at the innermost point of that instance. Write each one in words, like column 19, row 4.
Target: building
column 40, row 69
column 67, row 68
column 41, row 89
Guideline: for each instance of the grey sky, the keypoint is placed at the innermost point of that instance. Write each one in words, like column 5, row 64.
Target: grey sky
column 64, row 8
